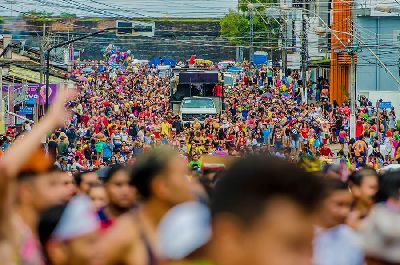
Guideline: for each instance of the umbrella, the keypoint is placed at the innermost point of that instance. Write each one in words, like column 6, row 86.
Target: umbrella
column 87, row 69
column 81, row 78
column 220, row 153
column 167, row 61
column 235, row 69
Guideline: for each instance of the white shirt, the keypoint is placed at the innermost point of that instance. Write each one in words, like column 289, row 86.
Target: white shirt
column 337, row 246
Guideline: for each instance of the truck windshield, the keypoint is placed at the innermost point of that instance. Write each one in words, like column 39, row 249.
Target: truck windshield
column 198, row 103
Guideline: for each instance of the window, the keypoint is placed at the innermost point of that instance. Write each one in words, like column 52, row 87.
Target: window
column 200, row 103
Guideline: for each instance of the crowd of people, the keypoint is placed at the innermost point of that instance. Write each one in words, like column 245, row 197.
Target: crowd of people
column 120, row 178
column 124, row 107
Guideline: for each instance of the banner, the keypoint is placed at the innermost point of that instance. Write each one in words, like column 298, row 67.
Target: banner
column 52, row 93
column 37, row 91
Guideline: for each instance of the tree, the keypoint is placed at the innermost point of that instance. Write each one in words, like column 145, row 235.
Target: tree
column 66, row 14
column 35, row 13
column 235, row 27
column 244, row 3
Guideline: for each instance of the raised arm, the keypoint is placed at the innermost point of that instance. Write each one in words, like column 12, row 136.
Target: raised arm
column 22, row 149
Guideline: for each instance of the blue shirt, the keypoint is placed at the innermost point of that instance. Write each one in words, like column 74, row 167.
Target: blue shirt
column 336, row 246
column 107, row 150
column 245, row 113
column 266, row 133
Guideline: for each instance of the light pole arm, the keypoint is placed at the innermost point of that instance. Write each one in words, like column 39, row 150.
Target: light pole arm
column 371, row 51
column 79, row 38
column 47, row 56
column 353, row 36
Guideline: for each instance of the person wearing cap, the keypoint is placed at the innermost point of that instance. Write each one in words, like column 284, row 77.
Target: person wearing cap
column 67, row 232
column 183, row 234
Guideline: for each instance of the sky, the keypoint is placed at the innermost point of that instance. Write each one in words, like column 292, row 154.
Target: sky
column 123, row 8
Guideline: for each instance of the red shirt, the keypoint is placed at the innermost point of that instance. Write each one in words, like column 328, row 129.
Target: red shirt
column 97, row 127
column 192, row 59
column 79, row 153
column 359, row 128
column 304, row 132
column 218, row 90
column 110, row 130
column 85, row 119
column 325, row 151
column 246, row 79
column 104, row 120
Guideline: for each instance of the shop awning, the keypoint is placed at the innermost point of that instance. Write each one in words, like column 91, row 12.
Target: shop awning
column 29, row 75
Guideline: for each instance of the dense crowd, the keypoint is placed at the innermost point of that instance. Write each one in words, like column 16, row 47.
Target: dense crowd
column 120, row 178
column 124, row 107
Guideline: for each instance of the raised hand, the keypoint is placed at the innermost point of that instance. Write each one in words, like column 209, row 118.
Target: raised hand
column 59, row 112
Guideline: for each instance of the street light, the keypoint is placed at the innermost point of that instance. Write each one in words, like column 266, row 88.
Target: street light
column 3, row 72
column 47, row 56
column 251, row 7
column 386, row 9
column 304, row 51
column 325, row 28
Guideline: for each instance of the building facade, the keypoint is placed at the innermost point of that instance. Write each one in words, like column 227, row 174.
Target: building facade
column 378, row 33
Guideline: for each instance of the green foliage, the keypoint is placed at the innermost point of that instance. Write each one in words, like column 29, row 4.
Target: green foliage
column 66, row 14
column 235, row 27
column 244, row 3
column 34, row 13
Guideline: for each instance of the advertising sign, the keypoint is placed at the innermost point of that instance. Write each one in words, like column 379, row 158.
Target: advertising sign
column 37, row 91
column 25, row 110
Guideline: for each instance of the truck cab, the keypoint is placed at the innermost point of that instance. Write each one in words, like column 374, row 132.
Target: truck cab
column 197, row 107
column 195, row 94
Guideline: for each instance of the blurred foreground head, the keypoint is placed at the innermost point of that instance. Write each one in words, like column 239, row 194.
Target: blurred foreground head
column 380, row 236
column 380, row 232
column 160, row 175
column 262, row 213
column 67, row 232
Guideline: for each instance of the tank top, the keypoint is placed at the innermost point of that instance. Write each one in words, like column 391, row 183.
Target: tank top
column 151, row 257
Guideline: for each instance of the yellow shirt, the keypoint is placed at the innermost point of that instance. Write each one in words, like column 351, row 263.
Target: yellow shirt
column 79, row 109
column 165, row 127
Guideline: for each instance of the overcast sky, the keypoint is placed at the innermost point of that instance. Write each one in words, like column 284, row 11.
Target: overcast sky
column 128, row 8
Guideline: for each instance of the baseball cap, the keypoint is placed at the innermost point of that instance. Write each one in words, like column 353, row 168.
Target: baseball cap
column 79, row 218
column 185, row 228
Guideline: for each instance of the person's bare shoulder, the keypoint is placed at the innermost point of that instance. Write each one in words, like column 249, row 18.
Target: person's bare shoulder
column 115, row 244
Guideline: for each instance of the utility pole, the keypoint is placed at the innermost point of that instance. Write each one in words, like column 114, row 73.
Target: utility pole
column 353, row 95
column 2, row 126
column 49, row 49
column 251, row 13
column 304, row 56
column 42, row 48
column 284, row 47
